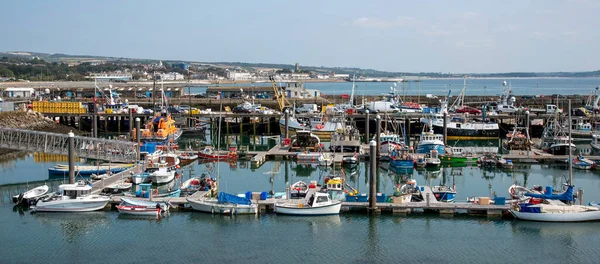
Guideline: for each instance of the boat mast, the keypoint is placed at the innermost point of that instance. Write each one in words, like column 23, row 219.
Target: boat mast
column 352, row 94
column 569, row 144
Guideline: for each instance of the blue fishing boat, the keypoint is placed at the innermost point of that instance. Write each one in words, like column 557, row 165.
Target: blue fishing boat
column 444, row 193
column 146, row 189
column 399, row 158
column 430, row 141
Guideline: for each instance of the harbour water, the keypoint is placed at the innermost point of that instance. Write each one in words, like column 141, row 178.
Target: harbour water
column 193, row 237
column 440, row 87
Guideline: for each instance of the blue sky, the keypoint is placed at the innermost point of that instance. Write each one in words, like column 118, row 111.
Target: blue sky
column 432, row 36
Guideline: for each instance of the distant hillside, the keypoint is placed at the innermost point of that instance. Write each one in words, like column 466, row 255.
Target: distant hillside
column 316, row 69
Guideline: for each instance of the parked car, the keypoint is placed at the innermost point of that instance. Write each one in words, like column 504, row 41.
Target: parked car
column 174, row 110
column 202, row 95
column 140, row 95
column 239, row 109
column 468, row 109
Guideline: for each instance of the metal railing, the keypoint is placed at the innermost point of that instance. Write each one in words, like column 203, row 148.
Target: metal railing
column 85, row 147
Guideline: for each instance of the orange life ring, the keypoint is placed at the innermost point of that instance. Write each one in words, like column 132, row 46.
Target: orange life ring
column 155, row 192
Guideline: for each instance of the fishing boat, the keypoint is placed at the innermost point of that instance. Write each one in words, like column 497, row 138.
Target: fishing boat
column 31, row 195
column 430, row 141
column 389, row 141
column 304, row 140
column 460, row 128
column 298, row 190
column 162, row 172
column 458, row 156
column 400, row 159
column 518, row 140
column 406, row 191
column 224, row 204
column 582, row 163
column 444, row 193
column 432, row 159
column 315, row 203
column 139, row 210
column 319, row 125
column 556, row 207
column 75, row 197
column 563, row 145
column 504, row 163
column 210, row 153
column 334, row 186
column 145, row 191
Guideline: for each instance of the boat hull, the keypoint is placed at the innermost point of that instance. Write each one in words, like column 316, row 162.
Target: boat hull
column 211, row 205
column 332, row 209
column 427, row 148
column 72, row 205
column 457, row 160
column 445, row 196
column 162, row 178
column 138, row 211
column 468, row 134
column 557, row 217
column 561, row 149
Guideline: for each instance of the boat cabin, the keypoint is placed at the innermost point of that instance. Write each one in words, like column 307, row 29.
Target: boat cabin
column 430, row 136
column 79, row 189
column 383, row 137
column 315, row 198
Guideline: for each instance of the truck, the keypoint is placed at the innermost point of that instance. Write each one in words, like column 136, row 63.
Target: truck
column 550, row 109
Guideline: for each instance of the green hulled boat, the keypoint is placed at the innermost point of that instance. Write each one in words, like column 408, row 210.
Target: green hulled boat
column 458, row 160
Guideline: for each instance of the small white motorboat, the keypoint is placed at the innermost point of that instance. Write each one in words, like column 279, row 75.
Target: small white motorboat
column 117, row 188
column 139, row 210
column 73, row 198
column 350, row 161
column 136, row 202
column 31, row 195
column 315, row 203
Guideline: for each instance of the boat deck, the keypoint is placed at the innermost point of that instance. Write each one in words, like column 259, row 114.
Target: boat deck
column 99, row 185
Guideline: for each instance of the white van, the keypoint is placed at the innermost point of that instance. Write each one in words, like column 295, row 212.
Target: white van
column 383, row 107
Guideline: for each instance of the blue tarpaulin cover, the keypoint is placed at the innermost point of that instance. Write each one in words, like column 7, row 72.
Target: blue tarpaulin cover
column 234, row 199
column 525, row 208
column 566, row 196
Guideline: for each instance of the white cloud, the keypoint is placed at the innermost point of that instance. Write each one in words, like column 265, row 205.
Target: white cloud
column 367, row 22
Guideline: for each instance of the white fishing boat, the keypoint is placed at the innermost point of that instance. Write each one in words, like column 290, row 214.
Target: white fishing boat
column 31, row 195
column 388, row 142
column 139, row 210
column 595, row 144
column 73, row 198
column 164, row 171
column 556, row 207
column 315, row 203
column 224, row 204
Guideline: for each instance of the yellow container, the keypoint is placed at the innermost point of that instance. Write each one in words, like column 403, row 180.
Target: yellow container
column 109, row 111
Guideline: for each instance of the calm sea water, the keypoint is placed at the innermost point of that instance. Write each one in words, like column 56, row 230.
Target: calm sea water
column 191, row 237
column 492, row 87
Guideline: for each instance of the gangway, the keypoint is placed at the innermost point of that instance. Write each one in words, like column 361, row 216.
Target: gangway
column 85, row 147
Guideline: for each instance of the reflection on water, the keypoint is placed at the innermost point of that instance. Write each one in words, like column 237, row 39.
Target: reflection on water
column 73, row 226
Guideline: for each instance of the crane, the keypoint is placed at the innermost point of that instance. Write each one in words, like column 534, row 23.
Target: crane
column 279, row 96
